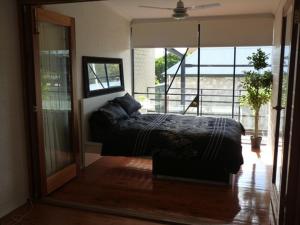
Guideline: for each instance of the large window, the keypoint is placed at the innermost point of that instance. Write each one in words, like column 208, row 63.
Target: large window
column 168, row 81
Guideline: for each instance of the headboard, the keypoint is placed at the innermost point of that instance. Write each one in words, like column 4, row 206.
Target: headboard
column 89, row 105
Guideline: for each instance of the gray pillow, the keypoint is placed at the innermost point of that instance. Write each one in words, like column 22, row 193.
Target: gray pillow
column 113, row 112
column 128, row 103
column 135, row 114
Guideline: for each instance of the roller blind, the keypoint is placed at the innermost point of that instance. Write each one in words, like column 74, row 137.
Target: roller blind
column 164, row 34
column 215, row 32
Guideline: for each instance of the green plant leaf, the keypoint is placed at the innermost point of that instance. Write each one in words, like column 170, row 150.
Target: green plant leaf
column 258, row 85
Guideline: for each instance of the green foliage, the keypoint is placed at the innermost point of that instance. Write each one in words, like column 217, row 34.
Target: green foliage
column 258, row 85
column 160, row 66
column 258, row 60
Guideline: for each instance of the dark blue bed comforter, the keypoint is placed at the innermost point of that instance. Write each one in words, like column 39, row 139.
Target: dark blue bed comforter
column 209, row 139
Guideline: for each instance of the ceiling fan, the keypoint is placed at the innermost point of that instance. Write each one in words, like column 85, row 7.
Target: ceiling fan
column 180, row 12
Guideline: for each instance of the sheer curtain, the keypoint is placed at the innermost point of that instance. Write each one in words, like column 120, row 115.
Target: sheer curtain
column 56, row 96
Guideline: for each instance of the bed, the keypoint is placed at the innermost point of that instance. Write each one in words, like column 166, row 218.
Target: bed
column 190, row 147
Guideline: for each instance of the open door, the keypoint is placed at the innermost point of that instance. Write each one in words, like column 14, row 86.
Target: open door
column 281, row 165
column 56, row 109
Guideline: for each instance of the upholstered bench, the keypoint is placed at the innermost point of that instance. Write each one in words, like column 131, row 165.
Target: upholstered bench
column 168, row 165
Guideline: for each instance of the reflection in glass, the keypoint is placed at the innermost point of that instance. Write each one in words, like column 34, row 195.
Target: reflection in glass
column 113, row 74
column 102, row 75
column 56, row 95
column 97, row 76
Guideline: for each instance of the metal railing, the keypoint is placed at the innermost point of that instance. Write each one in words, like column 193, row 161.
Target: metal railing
column 209, row 100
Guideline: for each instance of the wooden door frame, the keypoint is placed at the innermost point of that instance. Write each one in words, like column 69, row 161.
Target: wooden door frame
column 26, row 17
column 288, row 120
column 27, row 64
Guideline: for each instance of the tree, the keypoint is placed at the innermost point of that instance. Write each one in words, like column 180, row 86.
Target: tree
column 258, row 86
column 160, row 66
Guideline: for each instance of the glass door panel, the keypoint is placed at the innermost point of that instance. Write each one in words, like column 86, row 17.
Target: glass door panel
column 56, row 95
column 283, row 99
column 216, row 81
column 56, row 108
column 149, row 79
column 181, row 80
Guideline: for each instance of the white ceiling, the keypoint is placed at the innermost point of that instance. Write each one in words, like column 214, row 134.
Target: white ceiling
column 130, row 10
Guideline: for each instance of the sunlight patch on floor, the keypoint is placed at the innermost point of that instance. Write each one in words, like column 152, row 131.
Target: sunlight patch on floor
column 139, row 163
column 264, row 156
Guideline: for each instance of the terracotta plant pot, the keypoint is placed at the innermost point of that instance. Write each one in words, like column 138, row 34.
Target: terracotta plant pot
column 255, row 142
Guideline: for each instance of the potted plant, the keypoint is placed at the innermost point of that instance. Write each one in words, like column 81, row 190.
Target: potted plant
column 258, row 87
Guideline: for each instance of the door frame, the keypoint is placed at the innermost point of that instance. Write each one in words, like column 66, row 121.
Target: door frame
column 25, row 15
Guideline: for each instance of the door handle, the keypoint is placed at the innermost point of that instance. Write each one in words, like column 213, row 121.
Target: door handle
column 278, row 107
column 35, row 108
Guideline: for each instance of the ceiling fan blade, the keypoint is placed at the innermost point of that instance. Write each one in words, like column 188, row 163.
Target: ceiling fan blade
column 152, row 7
column 205, row 6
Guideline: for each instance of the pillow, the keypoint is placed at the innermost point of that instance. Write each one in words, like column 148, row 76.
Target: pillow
column 128, row 103
column 135, row 114
column 113, row 112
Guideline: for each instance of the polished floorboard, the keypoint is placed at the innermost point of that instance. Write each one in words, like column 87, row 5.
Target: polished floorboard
column 42, row 214
column 127, row 184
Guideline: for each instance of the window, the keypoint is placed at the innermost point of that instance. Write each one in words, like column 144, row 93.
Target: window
column 166, row 81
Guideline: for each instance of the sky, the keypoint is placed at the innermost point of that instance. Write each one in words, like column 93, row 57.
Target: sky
column 159, row 52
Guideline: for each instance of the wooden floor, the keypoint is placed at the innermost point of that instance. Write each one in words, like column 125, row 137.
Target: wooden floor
column 42, row 214
column 127, row 185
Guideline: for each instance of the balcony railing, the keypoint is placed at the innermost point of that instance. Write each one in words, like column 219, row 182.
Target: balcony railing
column 212, row 102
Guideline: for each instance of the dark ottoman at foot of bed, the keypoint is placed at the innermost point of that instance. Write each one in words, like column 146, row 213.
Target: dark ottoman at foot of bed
column 166, row 165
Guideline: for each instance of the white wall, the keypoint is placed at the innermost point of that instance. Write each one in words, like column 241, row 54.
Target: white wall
column 13, row 168
column 99, row 32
